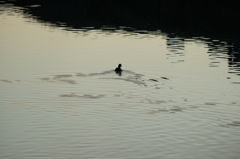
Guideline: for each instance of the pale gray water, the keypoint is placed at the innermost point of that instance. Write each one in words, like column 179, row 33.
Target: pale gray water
column 60, row 98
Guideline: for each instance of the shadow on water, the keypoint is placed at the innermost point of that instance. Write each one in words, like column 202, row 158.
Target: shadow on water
column 178, row 20
column 185, row 18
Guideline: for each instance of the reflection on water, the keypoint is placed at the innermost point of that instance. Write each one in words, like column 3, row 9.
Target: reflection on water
column 60, row 97
column 175, row 45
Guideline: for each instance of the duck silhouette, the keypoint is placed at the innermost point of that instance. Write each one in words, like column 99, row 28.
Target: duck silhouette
column 118, row 70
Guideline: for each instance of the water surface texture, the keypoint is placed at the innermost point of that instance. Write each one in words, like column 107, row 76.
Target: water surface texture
column 60, row 97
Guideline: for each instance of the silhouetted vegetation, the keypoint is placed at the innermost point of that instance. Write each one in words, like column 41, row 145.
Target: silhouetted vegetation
column 218, row 18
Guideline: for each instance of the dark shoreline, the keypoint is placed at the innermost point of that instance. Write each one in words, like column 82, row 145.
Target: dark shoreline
column 188, row 18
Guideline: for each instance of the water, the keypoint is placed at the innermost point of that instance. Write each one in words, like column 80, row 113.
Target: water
column 60, row 98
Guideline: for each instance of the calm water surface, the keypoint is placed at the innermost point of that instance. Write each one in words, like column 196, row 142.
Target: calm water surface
column 60, row 98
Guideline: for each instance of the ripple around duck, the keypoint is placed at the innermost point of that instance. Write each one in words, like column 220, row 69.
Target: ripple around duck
column 74, row 95
column 62, row 76
column 172, row 109
column 128, row 76
column 6, row 81
column 106, row 88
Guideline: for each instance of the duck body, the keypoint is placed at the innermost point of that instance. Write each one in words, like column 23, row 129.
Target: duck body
column 118, row 69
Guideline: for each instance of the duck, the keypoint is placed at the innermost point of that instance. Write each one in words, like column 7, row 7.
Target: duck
column 118, row 69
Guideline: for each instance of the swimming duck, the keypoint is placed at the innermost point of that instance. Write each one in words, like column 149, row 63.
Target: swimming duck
column 118, row 69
